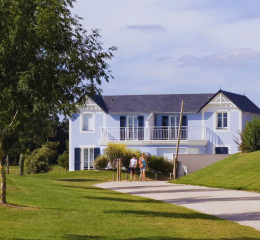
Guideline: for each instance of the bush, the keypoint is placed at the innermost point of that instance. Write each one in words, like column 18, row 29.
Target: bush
column 159, row 164
column 249, row 139
column 63, row 160
column 39, row 160
column 119, row 150
column 101, row 162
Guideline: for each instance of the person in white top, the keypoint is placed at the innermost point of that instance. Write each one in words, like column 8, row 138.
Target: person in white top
column 132, row 165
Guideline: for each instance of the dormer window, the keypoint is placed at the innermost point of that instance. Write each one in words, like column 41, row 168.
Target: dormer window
column 222, row 119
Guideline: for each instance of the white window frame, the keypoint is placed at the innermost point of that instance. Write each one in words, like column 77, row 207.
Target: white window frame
column 81, row 123
column 82, row 156
column 216, row 120
column 133, row 127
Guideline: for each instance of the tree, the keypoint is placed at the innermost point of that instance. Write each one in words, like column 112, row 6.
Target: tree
column 48, row 62
column 249, row 138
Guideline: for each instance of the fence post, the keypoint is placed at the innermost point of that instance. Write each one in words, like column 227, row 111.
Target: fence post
column 120, row 169
column 113, row 177
column 126, row 177
column 155, row 176
column 117, row 169
column 170, row 175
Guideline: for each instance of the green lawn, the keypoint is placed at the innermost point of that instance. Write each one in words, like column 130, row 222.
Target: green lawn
column 66, row 205
column 238, row 171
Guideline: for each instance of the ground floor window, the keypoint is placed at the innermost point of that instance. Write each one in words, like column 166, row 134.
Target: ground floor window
column 88, row 158
column 221, row 150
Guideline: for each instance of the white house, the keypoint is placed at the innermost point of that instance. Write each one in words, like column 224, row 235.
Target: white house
column 150, row 123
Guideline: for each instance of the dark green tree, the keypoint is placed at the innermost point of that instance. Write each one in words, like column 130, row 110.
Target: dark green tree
column 249, row 138
column 48, row 63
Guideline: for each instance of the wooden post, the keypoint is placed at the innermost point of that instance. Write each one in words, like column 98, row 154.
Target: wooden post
column 117, row 169
column 175, row 172
column 120, row 169
column 113, row 177
column 7, row 164
column 170, row 175
column 155, row 176
column 126, row 177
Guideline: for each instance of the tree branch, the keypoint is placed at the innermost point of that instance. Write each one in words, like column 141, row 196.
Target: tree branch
column 15, row 115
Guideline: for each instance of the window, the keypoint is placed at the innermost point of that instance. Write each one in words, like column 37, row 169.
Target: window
column 222, row 120
column 88, row 158
column 88, row 122
column 132, row 125
column 221, row 150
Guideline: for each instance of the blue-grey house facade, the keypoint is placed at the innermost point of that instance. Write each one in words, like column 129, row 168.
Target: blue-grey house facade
column 150, row 123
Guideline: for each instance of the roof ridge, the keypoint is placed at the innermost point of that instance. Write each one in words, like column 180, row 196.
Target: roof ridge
column 158, row 94
column 233, row 93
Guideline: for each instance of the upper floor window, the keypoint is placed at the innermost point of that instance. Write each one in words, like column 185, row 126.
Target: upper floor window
column 87, row 122
column 222, row 120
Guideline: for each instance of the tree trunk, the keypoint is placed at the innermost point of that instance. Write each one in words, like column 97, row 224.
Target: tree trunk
column 21, row 164
column 2, row 174
column 7, row 164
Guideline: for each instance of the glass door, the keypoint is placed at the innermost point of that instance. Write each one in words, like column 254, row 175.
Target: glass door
column 132, row 126
column 175, row 121
column 88, row 158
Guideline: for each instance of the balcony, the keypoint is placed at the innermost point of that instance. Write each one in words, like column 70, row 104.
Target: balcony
column 151, row 134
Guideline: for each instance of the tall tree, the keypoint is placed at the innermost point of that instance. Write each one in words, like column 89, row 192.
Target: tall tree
column 48, row 62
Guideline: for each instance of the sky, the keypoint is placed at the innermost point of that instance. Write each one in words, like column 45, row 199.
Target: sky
column 178, row 46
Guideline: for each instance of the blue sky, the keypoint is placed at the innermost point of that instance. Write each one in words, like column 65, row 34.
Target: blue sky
column 184, row 46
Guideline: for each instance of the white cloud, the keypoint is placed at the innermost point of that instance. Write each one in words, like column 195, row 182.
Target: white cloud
column 232, row 58
column 147, row 28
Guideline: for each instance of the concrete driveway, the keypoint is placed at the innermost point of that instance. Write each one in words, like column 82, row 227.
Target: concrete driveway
column 239, row 206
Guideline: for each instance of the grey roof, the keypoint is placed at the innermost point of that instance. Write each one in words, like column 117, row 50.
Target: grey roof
column 241, row 101
column 161, row 103
column 168, row 103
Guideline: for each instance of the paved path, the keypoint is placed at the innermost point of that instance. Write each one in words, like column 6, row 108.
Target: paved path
column 239, row 206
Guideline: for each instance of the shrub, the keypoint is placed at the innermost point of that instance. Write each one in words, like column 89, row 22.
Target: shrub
column 101, row 162
column 114, row 151
column 63, row 160
column 159, row 164
column 39, row 160
column 249, row 139
column 119, row 150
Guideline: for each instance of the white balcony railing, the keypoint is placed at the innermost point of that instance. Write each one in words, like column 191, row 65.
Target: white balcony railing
column 151, row 133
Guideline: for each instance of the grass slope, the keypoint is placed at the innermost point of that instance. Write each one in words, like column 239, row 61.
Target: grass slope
column 238, row 171
column 66, row 205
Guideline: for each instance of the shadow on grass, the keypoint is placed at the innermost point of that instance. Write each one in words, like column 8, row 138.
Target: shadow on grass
column 80, row 237
column 75, row 180
column 123, row 200
column 154, row 214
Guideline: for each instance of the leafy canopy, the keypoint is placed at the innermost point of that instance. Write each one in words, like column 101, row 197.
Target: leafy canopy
column 48, row 62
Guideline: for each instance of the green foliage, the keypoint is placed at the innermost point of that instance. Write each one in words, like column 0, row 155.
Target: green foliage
column 48, row 62
column 39, row 160
column 249, row 140
column 159, row 164
column 119, row 150
column 101, row 162
column 63, row 160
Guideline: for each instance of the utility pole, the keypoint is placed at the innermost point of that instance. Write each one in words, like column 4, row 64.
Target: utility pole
column 175, row 163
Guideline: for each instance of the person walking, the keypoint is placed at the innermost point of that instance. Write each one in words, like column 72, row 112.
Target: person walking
column 143, row 165
column 132, row 165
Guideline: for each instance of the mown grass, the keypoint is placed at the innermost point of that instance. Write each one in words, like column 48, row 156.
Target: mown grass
column 238, row 171
column 67, row 205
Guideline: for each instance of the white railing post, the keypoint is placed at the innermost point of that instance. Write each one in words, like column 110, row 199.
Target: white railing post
column 168, row 133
